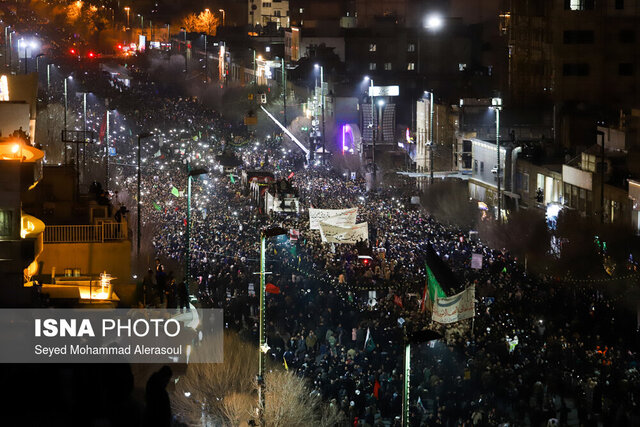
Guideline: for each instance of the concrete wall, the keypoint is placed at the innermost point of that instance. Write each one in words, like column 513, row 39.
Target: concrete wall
column 90, row 258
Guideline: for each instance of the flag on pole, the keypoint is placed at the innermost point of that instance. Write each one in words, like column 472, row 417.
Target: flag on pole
column 286, row 367
column 272, row 289
column 175, row 192
column 369, row 345
column 397, row 300
column 103, row 127
column 233, row 180
column 157, row 206
column 376, row 389
column 438, row 274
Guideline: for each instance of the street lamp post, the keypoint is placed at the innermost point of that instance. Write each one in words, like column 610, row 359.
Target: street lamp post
column 7, row 54
column 106, row 153
column 191, row 173
column 11, row 47
column 324, row 154
column 66, row 107
column 373, row 129
column 206, row 60
column 223, row 15
column 415, row 337
column 127, row 9
column 38, row 56
column 139, row 231
column 263, row 348
column 496, row 104
column 431, row 137
column 378, row 132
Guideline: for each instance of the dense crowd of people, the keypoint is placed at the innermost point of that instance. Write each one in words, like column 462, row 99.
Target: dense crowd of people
column 538, row 349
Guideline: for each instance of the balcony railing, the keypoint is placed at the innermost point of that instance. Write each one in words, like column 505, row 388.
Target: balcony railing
column 105, row 232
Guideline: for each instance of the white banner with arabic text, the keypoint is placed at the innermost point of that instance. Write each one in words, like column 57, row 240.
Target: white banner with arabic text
column 458, row 307
column 338, row 217
column 352, row 234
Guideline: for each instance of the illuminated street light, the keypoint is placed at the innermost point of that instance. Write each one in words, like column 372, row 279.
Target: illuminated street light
column 223, row 15
column 433, row 22
column 127, row 9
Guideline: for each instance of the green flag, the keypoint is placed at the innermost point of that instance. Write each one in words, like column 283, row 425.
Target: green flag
column 156, row 206
column 175, row 192
column 434, row 286
column 233, row 180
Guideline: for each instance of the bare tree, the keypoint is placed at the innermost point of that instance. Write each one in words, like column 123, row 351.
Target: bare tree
column 239, row 408
column 226, row 393
column 201, row 391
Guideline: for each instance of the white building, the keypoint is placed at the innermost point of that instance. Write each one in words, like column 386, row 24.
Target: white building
column 263, row 12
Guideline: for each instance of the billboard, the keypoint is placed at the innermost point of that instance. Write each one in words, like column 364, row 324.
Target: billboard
column 384, row 90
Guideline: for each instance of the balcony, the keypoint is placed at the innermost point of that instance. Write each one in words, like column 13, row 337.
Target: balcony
column 100, row 233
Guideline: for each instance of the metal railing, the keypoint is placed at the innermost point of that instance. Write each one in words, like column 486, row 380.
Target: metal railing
column 105, row 232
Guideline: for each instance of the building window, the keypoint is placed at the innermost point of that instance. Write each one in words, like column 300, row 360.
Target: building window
column 580, row 69
column 372, row 66
column 411, row 47
column 625, row 69
column 6, row 217
column 579, row 4
column 481, row 167
column 525, row 182
column 462, row 67
column 578, row 37
column 619, row 4
column 475, row 166
column 411, row 66
column 276, row 13
column 301, row 10
column 387, row 66
column 372, row 47
column 627, row 36
column 266, row 4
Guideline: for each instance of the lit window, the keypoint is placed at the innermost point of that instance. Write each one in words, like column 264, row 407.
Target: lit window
column 372, row 66
column 301, row 10
column 579, row 4
column 387, row 66
column 411, row 47
column 411, row 66
column 6, row 217
column 372, row 47
column 462, row 67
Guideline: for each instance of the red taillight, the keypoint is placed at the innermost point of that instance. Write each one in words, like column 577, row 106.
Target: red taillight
column 91, row 54
column 72, row 51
